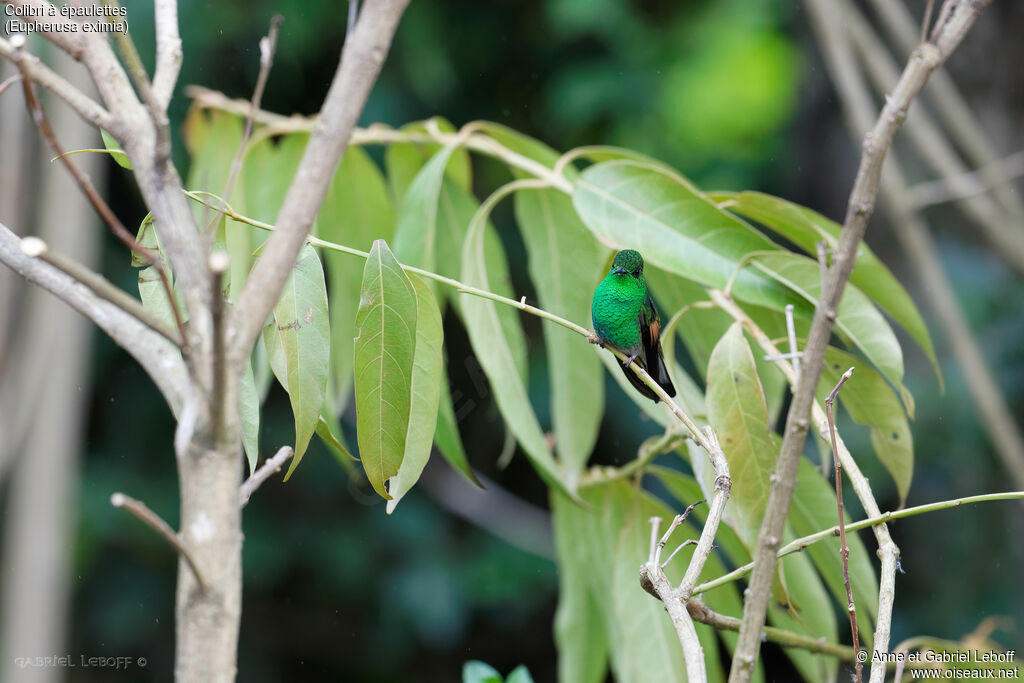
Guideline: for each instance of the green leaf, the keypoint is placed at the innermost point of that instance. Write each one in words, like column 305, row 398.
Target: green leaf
column 446, row 434
column 416, row 233
column 356, row 211
column 492, row 344
column 645, row 207
column 871, row 401
column 565, row 265
column 325, row 430
column 115, row 150
column 297, row 345
column 426, row 391
column 520, row 674
column 531, row 148
column 479, row 672
column 737, row 411
column 814, row 509
column 267, row 172
column 249, row 409
column 805, row 228
column 384, row 357
column 404, row 160
column 857, row 317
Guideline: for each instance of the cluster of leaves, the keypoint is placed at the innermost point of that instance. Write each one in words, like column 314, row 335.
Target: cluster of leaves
column 382, row 336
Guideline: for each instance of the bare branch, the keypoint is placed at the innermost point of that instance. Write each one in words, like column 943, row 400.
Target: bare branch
column 168, row 51
column 157, row 524
column 925, row 59
column 161, row 359
column 844, row 550
column 271, row 466
column 86, row 107
column 361, row 61
column 952, row 188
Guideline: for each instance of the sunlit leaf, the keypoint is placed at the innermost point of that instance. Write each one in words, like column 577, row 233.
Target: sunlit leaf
column 405, row 159
column 805, row 228
column 491, row 345
column 297, row 346
column 871, row 401
column 384, row 357
column 426, row 390
column 737, row 411
column 478, row 672
column 565, row 266
column 115, row 150
column 356, row 211
column 857, row 317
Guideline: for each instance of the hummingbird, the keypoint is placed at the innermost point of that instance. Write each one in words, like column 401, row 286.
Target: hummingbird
column 625, row 318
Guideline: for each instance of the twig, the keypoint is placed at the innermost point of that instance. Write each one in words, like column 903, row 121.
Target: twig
column 967, row 184
column 100, row 286
column 268, row 45
column 168, row 51
column 157, row 524
column 927, row 20
column 925, row 59
column 875, row 521
column 98, row 203
column 9, row 82
column 257, row 478
column 844, row 550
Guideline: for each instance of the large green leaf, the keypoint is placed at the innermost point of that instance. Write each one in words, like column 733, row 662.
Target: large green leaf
column 565, row 265
column 267, row 172
column 356, row 211
column 416, row 233
column 425, row 393
column 384, row 358
column 857, row 317
column 405, row 159
column 645, row 207
column 871, row 401
column 805, row 228
column 490, row 338
column 297, row 346
column 813, row 509
column 738, row 413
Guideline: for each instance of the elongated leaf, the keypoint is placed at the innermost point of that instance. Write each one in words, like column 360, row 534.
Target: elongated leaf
column 446, row 435
column 857, row 317
column 327, row 432
column 416, row 233
column 642, row 206
column 531, row 148
column 249, row 408
column 805, row 227
column 565, row 266
column 490, row 341
column 115, row 150
column 267, row 171
column 871, row 401
column 814, row 509
column 356, row 211
column 404, row 160
column 297, row 346
column 737, row 411
column 384, row 357
column 425, row 393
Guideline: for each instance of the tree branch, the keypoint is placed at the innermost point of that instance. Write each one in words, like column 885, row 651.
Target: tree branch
column 361, row 61
column 925, row 59
column 157, row 524
column 161, row 359
column 268, row 468
column 168, row 51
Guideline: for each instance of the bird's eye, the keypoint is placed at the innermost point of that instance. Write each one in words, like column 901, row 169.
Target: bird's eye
column 638, row 272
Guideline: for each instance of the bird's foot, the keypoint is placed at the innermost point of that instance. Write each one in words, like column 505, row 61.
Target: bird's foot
column 629, row 360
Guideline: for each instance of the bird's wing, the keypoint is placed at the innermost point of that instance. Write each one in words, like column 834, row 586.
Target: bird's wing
column 650, row 331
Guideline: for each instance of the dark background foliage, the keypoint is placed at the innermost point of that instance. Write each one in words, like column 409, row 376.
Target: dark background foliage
column 734, row 94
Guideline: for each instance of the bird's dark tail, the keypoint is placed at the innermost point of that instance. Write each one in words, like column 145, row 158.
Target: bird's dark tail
column 658, row 372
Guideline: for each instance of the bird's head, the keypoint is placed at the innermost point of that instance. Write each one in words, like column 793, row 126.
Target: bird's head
column 628, row 262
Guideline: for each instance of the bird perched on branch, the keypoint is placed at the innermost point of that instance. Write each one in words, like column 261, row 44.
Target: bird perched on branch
column 625, row 319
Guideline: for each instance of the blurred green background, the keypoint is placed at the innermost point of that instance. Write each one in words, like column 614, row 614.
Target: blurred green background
column 735, row 95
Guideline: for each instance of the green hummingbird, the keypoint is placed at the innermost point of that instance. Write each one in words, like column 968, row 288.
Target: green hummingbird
column 625, row 318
